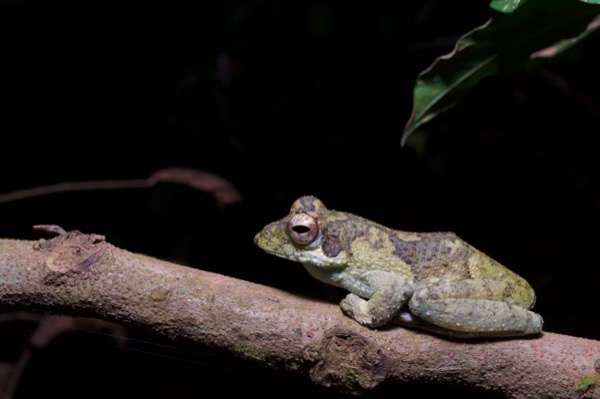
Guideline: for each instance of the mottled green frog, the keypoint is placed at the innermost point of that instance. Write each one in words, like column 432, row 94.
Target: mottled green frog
column 432, row 281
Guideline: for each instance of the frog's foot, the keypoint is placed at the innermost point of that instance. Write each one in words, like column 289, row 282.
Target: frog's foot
column 358, row 309
column 389, row 293
column 465, row 308
column 409, row 320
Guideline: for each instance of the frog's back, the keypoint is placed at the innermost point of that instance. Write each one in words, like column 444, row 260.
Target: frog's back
column 445, row 255
column 417, row 256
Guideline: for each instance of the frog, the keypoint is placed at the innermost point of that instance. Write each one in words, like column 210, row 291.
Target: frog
column 432, row 281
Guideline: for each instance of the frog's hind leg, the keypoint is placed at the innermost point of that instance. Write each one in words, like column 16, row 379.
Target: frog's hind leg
column 479, row 307
column 409, row 320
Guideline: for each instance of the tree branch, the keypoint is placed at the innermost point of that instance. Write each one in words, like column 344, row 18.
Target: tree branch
column 82, row 275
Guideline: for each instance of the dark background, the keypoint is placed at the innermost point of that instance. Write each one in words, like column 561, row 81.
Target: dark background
column 313, row 102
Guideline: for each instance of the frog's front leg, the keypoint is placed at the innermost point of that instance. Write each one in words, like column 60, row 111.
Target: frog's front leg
column 386, row 293
column 479, row 307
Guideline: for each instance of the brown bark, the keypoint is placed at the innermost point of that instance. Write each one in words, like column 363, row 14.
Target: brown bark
column 82, row 275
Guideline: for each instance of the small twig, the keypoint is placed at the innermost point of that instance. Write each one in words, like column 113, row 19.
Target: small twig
column 73, row 186
column 222, row 190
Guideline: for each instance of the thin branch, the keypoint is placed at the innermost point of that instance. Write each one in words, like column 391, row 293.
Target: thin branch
column 222, row 190
column 82, row 275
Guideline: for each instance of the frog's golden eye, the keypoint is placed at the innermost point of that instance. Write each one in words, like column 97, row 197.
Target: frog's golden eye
column 303, row 229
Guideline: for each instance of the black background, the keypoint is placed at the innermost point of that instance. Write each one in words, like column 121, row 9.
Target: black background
column 318, row 97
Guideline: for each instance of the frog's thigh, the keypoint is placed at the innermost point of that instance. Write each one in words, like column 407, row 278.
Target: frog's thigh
column 475, row 306
column 388, row 293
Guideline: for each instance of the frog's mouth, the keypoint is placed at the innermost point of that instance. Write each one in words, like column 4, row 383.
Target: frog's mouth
column 269, row 241
column 312, row 256
column 264, row 240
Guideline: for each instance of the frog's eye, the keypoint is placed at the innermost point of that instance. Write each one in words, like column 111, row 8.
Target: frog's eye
column 303, row 229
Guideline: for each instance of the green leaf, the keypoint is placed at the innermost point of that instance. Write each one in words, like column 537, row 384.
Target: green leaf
column 506, row 6
column 503, row 45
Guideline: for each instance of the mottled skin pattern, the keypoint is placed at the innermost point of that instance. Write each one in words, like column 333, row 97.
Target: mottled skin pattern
column 431, row 281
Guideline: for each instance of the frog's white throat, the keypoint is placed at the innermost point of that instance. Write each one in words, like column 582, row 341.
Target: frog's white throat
column 325, row 269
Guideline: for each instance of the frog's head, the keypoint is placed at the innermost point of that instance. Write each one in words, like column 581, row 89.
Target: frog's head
column 302, row 236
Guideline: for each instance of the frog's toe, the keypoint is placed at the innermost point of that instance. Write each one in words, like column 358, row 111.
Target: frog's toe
column 534, row 323
column 358, row 309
